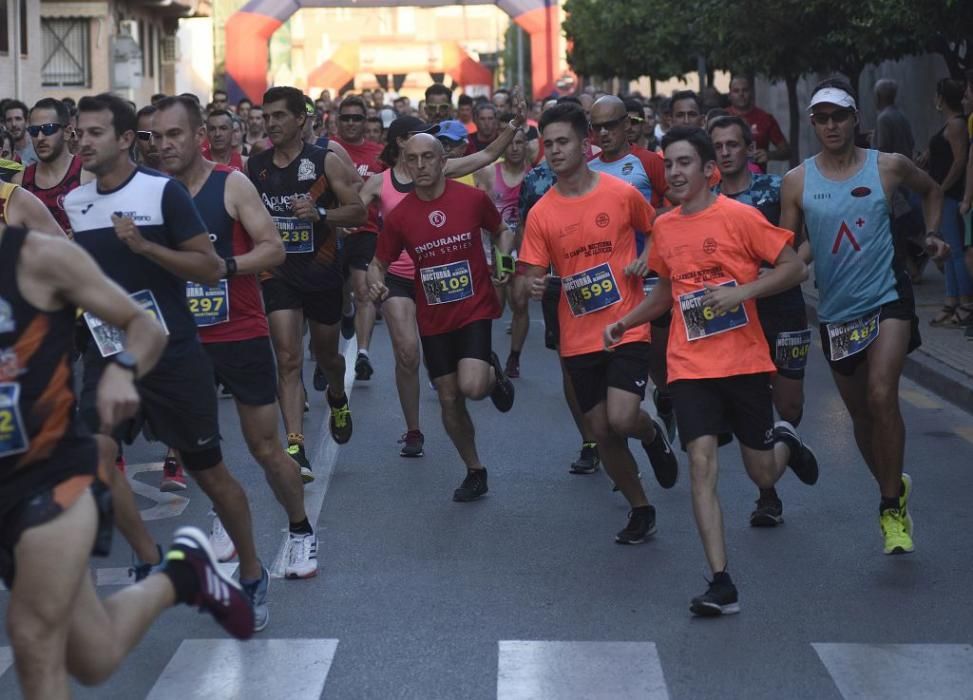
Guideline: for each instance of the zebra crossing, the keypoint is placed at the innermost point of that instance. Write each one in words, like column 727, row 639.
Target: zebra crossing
column 298, row 669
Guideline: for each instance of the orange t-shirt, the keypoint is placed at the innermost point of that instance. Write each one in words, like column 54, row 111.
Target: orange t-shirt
column 589, row 240
column 725, row 242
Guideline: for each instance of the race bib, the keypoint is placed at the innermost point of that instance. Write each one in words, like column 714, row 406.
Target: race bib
column 852, row 337
column 13, row 433
column 592, row 290
column 444, row 284
column 111, row 340
column 701, row 321
column 297, row 234
column 792, row 349
column 209, row 304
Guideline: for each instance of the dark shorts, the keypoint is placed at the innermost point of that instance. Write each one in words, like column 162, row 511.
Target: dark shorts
column 178, row 403
column 549, row 304
column 903, row 309
column 776, row 323
column 357, row 250
column 247, row 368
column 741, row 405
column 400, row 287
column 444, row 351
column 320, row 306
column 626, row 368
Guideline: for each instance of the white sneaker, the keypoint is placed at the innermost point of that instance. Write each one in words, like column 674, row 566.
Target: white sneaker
column 219, row 540
column 302, row 556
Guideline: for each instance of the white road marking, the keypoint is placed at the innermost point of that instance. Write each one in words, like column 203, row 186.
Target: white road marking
column 866, row 671
column 323, row 462
column 530, row 670
column 295, row 669
column 167, row 504
column 6, row 659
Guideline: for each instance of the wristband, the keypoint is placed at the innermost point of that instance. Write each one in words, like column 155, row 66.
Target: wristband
column 323, row 213
column 231, row 266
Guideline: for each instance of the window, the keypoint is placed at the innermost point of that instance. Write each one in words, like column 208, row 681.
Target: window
column 23, row 27
column 67, row 61
column 4, row 28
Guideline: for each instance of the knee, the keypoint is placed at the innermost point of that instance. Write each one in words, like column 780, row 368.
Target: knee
column 450, row 400
column 288, row 360
column 623, row 422
column 265, row 449
column 95, row 672
column 703, row 469
column 407, row 358
column 474, row 388
column 883, row 400
column 601, row 430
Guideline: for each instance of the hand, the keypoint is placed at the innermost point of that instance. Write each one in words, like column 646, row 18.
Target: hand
column 936, row 247
column 117, row 398
column 613, row 334
column 519, row 105
column 760, row 156
column 304, row 208
column 764, row 271
column 501, row 280
column 637, row 267
column 723, row 298
column 377, row 291
column 128, row 233
column 964, row 208
column 537, row 287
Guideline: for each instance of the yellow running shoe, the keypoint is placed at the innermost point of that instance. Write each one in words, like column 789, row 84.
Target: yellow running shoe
column 897, row 539
column 904, row 502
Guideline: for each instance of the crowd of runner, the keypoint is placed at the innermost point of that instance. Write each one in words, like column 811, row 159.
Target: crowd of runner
column 177, row 251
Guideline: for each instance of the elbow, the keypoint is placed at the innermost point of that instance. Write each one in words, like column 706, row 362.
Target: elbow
column 279, row 255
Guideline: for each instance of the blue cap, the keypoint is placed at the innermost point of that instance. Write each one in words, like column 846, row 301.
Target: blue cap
column 452, row 129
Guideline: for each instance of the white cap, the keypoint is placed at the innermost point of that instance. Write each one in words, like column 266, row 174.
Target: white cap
column 833, row 96
column 388, row 116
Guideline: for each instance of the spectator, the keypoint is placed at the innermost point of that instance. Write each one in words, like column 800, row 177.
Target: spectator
column 892, row 134
column 464, row 113
column 664, row 112
column 439, row 103
column 15, row 120
column 763, row 126
column 374, row 129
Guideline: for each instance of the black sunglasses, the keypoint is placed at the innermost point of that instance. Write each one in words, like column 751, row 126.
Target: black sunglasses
column 635, row 120
column 352, row 117
column 46, row 129
column 608, row 126
column 144, row 135
column 438, row 108
column 839, row 116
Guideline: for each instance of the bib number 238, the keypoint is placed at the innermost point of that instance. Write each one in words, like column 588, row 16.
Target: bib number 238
column 445, row 284
column 297, row 234
column 591, row 290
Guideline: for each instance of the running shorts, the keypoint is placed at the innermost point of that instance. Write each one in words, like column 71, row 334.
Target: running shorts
column 626, row 367
column 740, row 405
column 444, row 351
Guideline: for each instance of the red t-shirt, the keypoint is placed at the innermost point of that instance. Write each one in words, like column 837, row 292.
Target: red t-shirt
column 453, row 286
column 365, row 157
column 763, row 126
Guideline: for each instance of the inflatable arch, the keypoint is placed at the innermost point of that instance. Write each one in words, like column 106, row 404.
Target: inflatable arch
column 248, row 32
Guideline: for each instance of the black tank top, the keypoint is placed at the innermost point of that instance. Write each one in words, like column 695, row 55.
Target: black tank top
column 37, row 402
column 941, row 160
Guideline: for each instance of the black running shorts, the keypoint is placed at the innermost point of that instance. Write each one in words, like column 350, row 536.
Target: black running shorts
column 626, row 367
column 357, row 250
column 247, row 368
column 444, row 351
column 903, row 309
column 741, row 405
column 400, row 287
column 320, row 306
column 773, row 325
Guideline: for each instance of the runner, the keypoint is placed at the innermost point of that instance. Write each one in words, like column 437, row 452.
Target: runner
column 866, row 307
column 306, row 193
column 256, row 136
column 151, row 260
column 585, row 228
column 56, row 171
column 230, row 316
column 707, row 252
column 147, row 152
column 54, row 511
column 438, row 225
column 15, row 119
column 782, row 316
column 219, row 141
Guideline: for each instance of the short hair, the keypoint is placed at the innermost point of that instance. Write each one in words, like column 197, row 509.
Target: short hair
column 632, row 105
column 439, row 89
column 157, row 96
column 353, row 101
column 221, row 113
column 69, row 103
column 220, row 92
column 741, row 76
column 292, row 98
column 952, row 93
column 665, row 105
column 146, row 111
column 728, row 120
column 465, row 100
column 886, row 89
column 836, row 82
column 716, row 113
column 685, row 95
column 58, row 107
column 569, row 99
column 482, row 107
column 187, row 103
column 244, row 99
column 15, row 104
column 501, row 91
column 375, row 120
column 566, row 113
column 696, row 137
column 122, row 115
column 191, row 95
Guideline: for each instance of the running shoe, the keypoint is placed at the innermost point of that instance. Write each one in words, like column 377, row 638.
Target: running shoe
column 340, row 420
column 663, row 459
column 413, row 444
column 319, row 381
column 719, row 599
column 503, row 391
column 663, row 409
column 512, row 369
column 769, row 511
column 641, row 524
column 220, row 542
column 216, row 593
column 904, row 502
column 588, row 461
column 256, row 592
column 140, row 570
column 296, row 452
column 802, row 460
column 302, row 556
column 894, row 529
column 473, row 486
column 173, row 476
column 348, row 325
column 363, row 368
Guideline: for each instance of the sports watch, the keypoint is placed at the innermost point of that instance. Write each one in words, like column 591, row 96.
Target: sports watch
column 125, row 360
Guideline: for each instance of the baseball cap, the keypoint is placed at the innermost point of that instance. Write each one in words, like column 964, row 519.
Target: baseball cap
column 388, row 116
column 832, row 96
column 451, row 129
column 403, row 126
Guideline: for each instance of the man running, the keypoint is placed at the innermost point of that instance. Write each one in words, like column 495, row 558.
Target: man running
column 782, row 316
column 306, row 193
column 585, row 228
column 866, row 307
column 707, row 253
column 145, row 233
column 230, row 316
column 219, row 135
column 54, row 511
column 146, row 150
column 439, row 225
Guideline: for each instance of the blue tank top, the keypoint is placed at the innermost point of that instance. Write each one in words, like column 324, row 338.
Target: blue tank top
column 630, row 169
column 850, row 235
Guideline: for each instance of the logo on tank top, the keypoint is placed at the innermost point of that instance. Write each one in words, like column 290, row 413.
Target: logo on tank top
column 602, row 220
column 845, row 231
column 627, row 169
column 305, row 170
column 7, row 324
column 861, row 192
column 437, row 219
column 709, row 246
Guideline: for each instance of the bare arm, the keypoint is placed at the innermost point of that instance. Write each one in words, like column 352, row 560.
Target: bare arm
column 788, row 271
column 792, row 211
column 195, row 259
column 345, row 183
column 372, row 190
column 28, row 211
column 652, row 307
column 900, row 171
column 458, row 167
column 243, row 203
column 375, row 277
column 342, row 154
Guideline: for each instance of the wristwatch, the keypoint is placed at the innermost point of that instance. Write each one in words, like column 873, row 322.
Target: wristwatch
column 323, row 213
column 231, row 266
column 125, row 360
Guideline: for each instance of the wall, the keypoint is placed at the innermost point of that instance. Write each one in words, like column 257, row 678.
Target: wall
column 194, row 67
column 30, row 65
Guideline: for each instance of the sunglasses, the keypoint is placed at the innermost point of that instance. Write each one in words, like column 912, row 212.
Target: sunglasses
column 144, row 135
column 839, row 116
column 441, row 109
column 352, row 118
column 46, row 129
column 608, row 126
column 635, row 120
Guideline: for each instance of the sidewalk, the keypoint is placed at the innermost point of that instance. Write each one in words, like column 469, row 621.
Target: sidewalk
column 944, row 362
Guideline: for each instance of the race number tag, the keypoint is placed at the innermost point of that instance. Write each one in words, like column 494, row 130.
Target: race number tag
column 111, row 340
column 13, row 433
column 444, row 284
column 209, row 304
column 852, row 337
column 792, row 349
column 701, row 321
column 297, row 234
column 648, row 284
column 592, row 290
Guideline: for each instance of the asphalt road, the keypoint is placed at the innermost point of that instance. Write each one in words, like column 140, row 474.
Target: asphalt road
column 524, row 594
